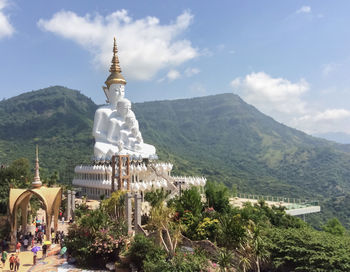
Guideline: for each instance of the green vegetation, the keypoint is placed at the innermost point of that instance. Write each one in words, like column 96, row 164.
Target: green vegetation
column 254, row 238
column 220, row 137
column 95, row 238
column 308, row 250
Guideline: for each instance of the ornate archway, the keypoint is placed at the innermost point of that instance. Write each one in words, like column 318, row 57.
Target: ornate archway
column 19, row 198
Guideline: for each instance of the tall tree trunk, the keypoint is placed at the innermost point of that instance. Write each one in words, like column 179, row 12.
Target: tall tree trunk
column 257, row 264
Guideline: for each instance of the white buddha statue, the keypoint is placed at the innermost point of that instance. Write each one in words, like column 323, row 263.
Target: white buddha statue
column 116, row 129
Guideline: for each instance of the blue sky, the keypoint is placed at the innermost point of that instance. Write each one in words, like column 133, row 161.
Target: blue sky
column 290, row 59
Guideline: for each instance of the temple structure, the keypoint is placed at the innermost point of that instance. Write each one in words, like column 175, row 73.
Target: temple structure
column 50, row 199
column 116, row 132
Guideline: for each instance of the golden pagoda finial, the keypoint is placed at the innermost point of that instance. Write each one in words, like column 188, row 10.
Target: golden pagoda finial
column 115, row 77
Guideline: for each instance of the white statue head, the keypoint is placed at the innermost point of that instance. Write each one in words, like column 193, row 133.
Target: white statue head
column 115, row 93
column 123, row 106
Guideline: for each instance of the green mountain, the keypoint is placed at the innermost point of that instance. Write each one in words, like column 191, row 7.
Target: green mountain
column 220, row 137
column 58, row 119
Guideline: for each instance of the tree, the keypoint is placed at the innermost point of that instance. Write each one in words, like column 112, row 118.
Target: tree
column 225, row 259
column 307, row 250
column 334, row 226
column 256, row 243
column 17, row 175
column 115, row 204
column 190, row 200
column 155, row 198
column 53, row 179
column 217, row 196
column 161, row 219
column 232, row 231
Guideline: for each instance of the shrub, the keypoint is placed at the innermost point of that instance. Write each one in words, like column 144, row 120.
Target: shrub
column 95, row 239
column 181, row 262
column 208, row 229
column 143, row 248
column 155, row 198
column 217, row 196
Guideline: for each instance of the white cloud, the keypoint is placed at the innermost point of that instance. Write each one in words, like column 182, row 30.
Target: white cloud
column 191, row 72
column 198, row 89
column 270, row 94
column 173, row 74
column 6, row 29
column 145, row 45
column 327, row 115
column 283, row 100
column 329, row 68
column 304, row 9
column 319, row 122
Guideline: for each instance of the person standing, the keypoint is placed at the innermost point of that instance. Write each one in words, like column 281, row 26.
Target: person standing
column 34, row 258
column 3, row 257
column 44, row 250
column 18, row 247
column 17, row 263
column 53, row 234
column 25, row 243
column 12, row 261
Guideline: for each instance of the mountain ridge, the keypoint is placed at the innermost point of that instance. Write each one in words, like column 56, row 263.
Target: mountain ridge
column 219, row 136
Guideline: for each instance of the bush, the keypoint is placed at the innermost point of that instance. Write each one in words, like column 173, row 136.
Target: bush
column 155, row 198
column 232, row 231
column 217, row 196
column 142, row 249
column 190, row 200
column 208, row 229
column 189, row 225
column 181, row 262
column 95, row 239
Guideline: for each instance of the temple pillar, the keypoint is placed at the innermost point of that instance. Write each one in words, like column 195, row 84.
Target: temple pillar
column 48, row 225
column 137, row 212
column 24, row 214
column 73, row 204
column 69, row 204
column 13, row 233
column 24, row 217
column 55, row 218
column 128, row 211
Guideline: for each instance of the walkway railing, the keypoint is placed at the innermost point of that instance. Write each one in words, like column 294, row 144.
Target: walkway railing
column 303, row 202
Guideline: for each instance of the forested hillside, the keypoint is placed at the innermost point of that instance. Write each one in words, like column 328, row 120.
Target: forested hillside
column 218, row 136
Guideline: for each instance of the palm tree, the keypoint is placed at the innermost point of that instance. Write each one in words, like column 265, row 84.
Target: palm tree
column 259, row 252
column 161, row 218
column 244, row 253
column 225, row 259
column 252, row 250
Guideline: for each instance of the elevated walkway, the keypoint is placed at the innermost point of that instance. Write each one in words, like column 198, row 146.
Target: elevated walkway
column 293, row 206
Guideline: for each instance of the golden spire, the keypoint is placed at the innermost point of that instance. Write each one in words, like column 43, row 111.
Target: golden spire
column 115, row 77
column 37, row 182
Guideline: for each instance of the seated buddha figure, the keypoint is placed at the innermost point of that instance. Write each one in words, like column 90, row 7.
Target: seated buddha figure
column 123, row 131
column 116, row 129
column 101, row 120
